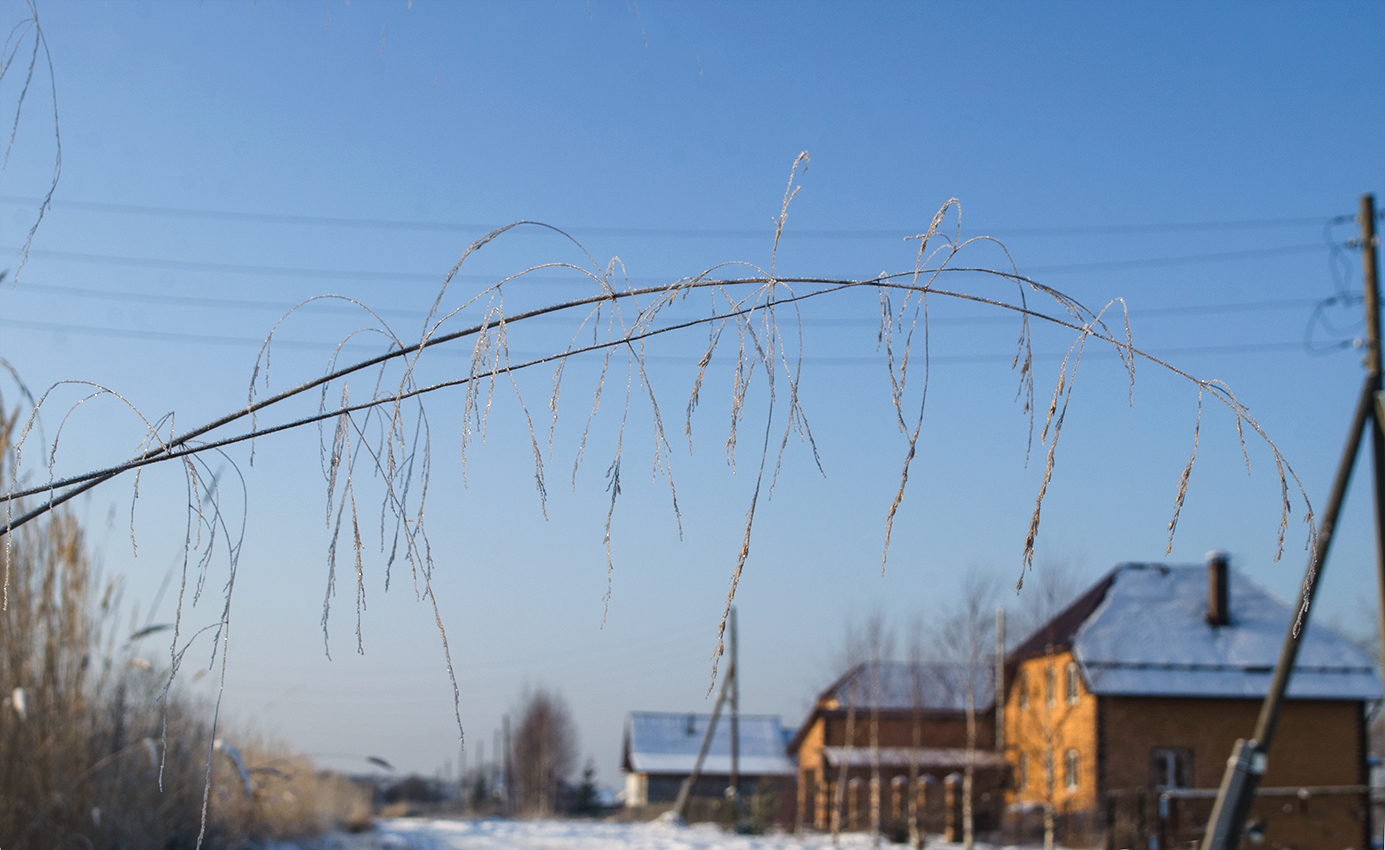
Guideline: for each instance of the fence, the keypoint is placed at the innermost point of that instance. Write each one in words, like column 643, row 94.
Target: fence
column 1300, row 816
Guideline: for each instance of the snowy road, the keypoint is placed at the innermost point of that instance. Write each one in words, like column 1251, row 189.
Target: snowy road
column 438, row 834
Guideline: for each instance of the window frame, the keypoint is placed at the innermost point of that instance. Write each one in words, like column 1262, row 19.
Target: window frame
column 1180, row 759
column 1072, row 769
column 1072, row 684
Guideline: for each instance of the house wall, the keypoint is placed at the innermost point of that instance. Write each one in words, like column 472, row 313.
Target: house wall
column 1040, row 732
column 1317, row 743
column 897, row 729
column 811, row 790
column 636, row 789
column 828, row 728
column 816, row 781
column 664, row 788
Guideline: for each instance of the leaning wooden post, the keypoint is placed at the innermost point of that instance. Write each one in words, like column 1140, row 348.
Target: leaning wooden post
column 680, row 807
column 1249, row 758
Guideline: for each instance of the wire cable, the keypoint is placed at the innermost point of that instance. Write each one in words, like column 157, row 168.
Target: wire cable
column 206, row 339
column 651, row 232
column 124, row 296
column 416, row 277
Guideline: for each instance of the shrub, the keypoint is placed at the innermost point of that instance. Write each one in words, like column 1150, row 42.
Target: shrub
column 96, row 749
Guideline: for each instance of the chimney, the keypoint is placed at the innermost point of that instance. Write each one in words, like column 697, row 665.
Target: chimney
column 1218, row 591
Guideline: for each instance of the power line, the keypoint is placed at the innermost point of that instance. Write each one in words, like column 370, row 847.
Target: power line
column 158, row 336
column 652, row 232
column 415, row 277
column 320, row 306
column 1185, row 260
column 207, row 339
column 232, row 268
column 332, row 306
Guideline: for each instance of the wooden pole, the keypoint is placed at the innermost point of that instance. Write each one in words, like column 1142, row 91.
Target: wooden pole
column 681, row 805
column 507, row 776
column 1249, row 758
column 1370, row 272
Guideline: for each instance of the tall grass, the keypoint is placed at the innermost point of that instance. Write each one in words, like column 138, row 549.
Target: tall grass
column 375, row 446
column 95, row 749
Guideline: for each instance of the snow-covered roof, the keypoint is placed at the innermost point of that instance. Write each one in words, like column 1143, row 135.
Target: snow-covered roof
column 662, row 743
column 1149, row 636
column 941, row 687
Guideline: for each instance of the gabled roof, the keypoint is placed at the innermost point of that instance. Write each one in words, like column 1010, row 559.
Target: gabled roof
column 664, row 743
column 940, row 687
column 1143, row 631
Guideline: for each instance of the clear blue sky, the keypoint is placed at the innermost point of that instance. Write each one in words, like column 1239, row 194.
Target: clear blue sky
column 1101, row 142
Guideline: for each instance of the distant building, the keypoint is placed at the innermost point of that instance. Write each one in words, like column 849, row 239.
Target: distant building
column 1123, row 709
column 927, row 700
column 661, row 748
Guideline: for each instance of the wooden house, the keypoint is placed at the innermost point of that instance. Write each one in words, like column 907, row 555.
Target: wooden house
column 917, row 715
column 1121, row 713
column 661, row 748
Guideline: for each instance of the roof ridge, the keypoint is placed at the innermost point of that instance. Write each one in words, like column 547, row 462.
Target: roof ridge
column 1149, row 636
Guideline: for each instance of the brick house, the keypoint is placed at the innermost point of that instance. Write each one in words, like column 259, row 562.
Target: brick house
column 934, row 696
column 1124, row 708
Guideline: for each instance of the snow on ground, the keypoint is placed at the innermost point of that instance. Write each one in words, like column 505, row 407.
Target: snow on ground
column 497, row 834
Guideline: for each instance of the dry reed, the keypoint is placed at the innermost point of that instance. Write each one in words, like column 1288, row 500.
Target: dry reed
column 73, row 701
column 96, row 749
column 385, row 432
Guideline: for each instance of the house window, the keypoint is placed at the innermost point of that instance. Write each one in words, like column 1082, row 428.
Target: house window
column 1048, row 685
column 1070, row 770
column 1023, row 687
column 1022, row 779
column 1171, row 767
column 1073, row 691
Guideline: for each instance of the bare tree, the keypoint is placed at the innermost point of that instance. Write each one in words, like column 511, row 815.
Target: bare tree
column 1055, row 586
column 917, row 657
column 865, row 648
column 1052, row 587
column 545, row 750
column 965, row 639
column 880, row 645
column 850, row 657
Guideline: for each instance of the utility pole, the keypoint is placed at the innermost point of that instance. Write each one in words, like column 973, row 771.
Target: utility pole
column 461, row 775
column 481, row 774
column 681, row 805
column 1249, row 758
column 1370, row 245
column 729, row 693
column 508, row 776
column 1370, row 271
